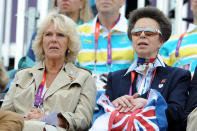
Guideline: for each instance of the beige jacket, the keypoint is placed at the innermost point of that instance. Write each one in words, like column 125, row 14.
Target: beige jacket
column 73, row 93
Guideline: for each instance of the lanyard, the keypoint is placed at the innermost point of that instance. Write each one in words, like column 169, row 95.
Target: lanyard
column 39, row 101
column 132, row 79
column 109, row 47
column 179, row 43
column 133, row 73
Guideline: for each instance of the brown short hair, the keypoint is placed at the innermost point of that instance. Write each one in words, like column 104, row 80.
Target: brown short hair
column 153, row 13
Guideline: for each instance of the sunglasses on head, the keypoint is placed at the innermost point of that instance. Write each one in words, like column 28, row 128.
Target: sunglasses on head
column 147, row 31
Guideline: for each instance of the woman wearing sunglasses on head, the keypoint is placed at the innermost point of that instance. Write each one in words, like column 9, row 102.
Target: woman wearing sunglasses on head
column 128, row 89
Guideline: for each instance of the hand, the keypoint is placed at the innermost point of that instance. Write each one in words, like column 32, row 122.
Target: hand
column 124, row 103
column 138, row 103
column 128, row 103
column 35, row 114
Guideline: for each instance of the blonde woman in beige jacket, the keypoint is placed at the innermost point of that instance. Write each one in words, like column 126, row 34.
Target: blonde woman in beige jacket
column 54, row 89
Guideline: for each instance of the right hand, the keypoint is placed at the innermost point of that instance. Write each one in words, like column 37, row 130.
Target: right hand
column 35, row 114
column 124, row 103
column 128, row 103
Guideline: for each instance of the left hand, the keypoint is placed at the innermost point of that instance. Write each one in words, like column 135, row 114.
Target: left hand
column 138, row 103
column 124, row 103
column 35, row 114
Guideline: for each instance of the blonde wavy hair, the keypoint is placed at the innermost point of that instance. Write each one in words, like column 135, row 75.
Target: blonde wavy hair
column 66, row 26
column 85, row 13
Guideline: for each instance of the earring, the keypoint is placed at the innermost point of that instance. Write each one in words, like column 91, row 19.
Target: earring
column 43, row 56
column 68, row 51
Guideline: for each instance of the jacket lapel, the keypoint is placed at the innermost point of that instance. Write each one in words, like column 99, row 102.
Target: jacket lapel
column 65, row 77
column 159, row 81
column 37, row 72
column 125, row 83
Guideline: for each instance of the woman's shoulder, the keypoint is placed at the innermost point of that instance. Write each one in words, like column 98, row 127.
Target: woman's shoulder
column 77, row 70
column 177, row 71
column 83, row 70
column 29, row 70
column 23, row 70
column 119, row 72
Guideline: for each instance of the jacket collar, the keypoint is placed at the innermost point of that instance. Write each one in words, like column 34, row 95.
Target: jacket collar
column 67, row 75
column 159, row 80
column 37, row 72
column 121, row 26
column 157, row 63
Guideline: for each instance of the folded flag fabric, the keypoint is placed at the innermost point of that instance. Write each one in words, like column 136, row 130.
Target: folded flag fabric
column 150, row 118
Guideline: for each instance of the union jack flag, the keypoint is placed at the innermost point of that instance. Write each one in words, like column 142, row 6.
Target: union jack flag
column 150, row 118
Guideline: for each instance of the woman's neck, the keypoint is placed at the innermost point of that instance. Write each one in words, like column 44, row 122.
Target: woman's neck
column 148, row 56
column 108, row 20
column 53, row 66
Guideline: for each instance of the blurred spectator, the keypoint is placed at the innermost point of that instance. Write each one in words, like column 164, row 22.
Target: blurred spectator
column 4, row 78
column 105, row 44
column 79, row 10
column 181, row 50
column 9, row 121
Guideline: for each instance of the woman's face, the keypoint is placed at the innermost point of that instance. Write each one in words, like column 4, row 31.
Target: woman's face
column 145, row 38
column 70, row 6
column 55, row 43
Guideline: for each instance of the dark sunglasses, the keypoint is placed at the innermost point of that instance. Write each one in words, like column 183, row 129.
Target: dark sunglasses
column 147, row 31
